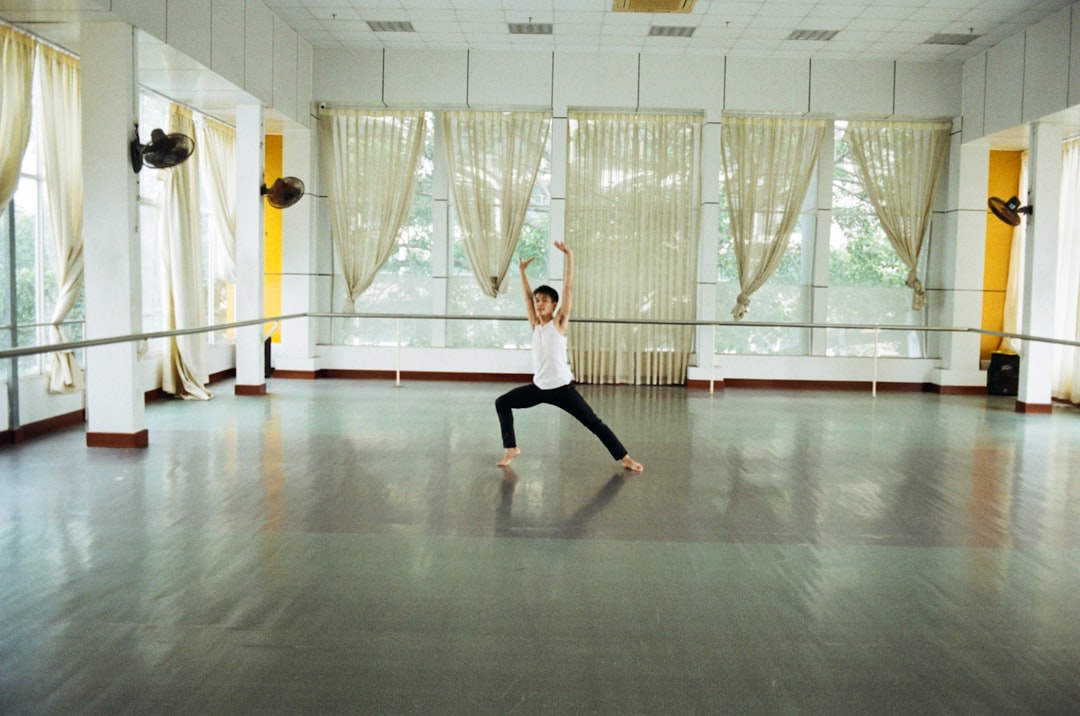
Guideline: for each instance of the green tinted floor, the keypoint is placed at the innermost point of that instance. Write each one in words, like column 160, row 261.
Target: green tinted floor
column 348, row 547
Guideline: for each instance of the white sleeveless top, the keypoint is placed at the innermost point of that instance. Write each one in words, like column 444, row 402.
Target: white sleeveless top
column 551, row 369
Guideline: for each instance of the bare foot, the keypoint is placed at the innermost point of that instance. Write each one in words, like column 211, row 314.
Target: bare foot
column 631, row 464
column 510, row 454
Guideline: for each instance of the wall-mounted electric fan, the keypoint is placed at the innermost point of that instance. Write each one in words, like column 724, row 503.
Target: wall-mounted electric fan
column 284, row 192
column 1008, row 211
column 163, row 151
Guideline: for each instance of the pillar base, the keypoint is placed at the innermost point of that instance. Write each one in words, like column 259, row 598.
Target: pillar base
column 1035, row 408
column 250, row 389
column 140, row 439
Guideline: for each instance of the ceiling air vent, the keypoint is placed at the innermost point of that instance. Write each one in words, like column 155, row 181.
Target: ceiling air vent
column 813, row 35
column 944, row 38
column 530, row 28
column 653, row 5
column 390, row 26
column 670, row 31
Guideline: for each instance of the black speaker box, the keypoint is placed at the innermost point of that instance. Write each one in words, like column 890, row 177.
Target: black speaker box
column 1003, row 377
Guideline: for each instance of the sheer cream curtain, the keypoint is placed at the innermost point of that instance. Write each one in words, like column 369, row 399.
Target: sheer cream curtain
column 217, row 180
column 632, row 218
column 183, row 370
column 16, row 75
column 370, row 163
column 1014, row 285
column 493, row 159
column 767, row 164
column 899, row 164
column 1064, row 383
column 59, row 109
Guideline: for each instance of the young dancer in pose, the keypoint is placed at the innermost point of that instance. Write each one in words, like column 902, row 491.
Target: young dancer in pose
column 553, row 382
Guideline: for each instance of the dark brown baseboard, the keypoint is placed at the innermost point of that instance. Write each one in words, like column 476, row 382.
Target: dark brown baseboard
column 424, row 375
column 864, row 386
column 40, row 427
column 250, row 389
column 956, row 389
column 1034, row 408
column 140, row 439
column 296, row 374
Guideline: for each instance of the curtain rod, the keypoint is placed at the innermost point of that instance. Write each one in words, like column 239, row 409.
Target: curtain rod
column 185, row 105
column 38, row 38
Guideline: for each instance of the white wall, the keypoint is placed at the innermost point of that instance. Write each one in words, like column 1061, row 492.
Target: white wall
column 242, row 41
column 1032, row 75
column 631, row 82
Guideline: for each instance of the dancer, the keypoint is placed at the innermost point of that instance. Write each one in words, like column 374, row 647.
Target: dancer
column 553, row 382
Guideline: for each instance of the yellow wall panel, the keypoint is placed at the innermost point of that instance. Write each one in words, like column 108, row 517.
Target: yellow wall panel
column 1004, row 182
column 272, row 235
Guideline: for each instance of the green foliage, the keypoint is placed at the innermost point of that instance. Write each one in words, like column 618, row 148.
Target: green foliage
column 864, row 257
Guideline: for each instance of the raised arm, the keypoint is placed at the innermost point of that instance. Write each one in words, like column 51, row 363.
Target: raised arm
column 530, row 310
column 566, row 300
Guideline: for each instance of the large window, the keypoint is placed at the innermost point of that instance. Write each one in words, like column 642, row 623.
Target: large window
column 465, row 297
column 404, row 283
column 785, row 297
column 32, row 273
column 866, row 277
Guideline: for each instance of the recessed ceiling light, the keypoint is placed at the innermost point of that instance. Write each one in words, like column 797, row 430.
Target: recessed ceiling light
column 670, row 31
column 390, row 26
column 813, row 35
column 530, row 28
column 944, row 38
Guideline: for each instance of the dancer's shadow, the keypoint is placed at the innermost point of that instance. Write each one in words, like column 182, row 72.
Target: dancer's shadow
column 571, row 528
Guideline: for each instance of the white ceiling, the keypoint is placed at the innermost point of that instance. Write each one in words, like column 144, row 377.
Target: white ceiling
column 865, row 29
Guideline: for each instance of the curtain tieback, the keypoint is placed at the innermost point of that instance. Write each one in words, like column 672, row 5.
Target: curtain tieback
column 742, row 304
column 918, row 301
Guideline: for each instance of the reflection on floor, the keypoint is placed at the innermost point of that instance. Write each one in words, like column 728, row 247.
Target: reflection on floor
column 349, row 547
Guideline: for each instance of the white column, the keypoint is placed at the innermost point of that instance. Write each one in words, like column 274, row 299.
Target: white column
column 708, row 237
column 819, row 270
column 956, row 274
column 297, row 347
column 560, row 127
column 1040, row 267
column 250, row 160
column 442, row 250
column 114, row 392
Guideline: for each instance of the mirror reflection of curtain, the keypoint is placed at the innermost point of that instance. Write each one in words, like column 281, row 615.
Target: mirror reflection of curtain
column 217, row 180
column 370, row 160
column 632, row 216
column 59, row 108
column 767, row 164
column 493, row 159
column 16, row 75
column 183, row 370
column 899, row 164
column 1064, row 383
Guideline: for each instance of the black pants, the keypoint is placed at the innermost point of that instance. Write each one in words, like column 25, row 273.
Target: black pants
column 566, row 398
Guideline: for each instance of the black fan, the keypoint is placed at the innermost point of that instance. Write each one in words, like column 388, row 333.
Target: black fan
column 284, row 192
column 1008, row 211
column 163, row 151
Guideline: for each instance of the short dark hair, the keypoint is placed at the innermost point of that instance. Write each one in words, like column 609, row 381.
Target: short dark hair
column 547, row 291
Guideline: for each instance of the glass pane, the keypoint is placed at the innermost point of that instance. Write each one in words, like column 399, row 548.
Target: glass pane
column 866, row 276
column 5, row 268
column 785, row 297
column 874, row 305
column 388, row 294
column 772, row 303
column 467, row 299
column 413, row 255
column 534, row 232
